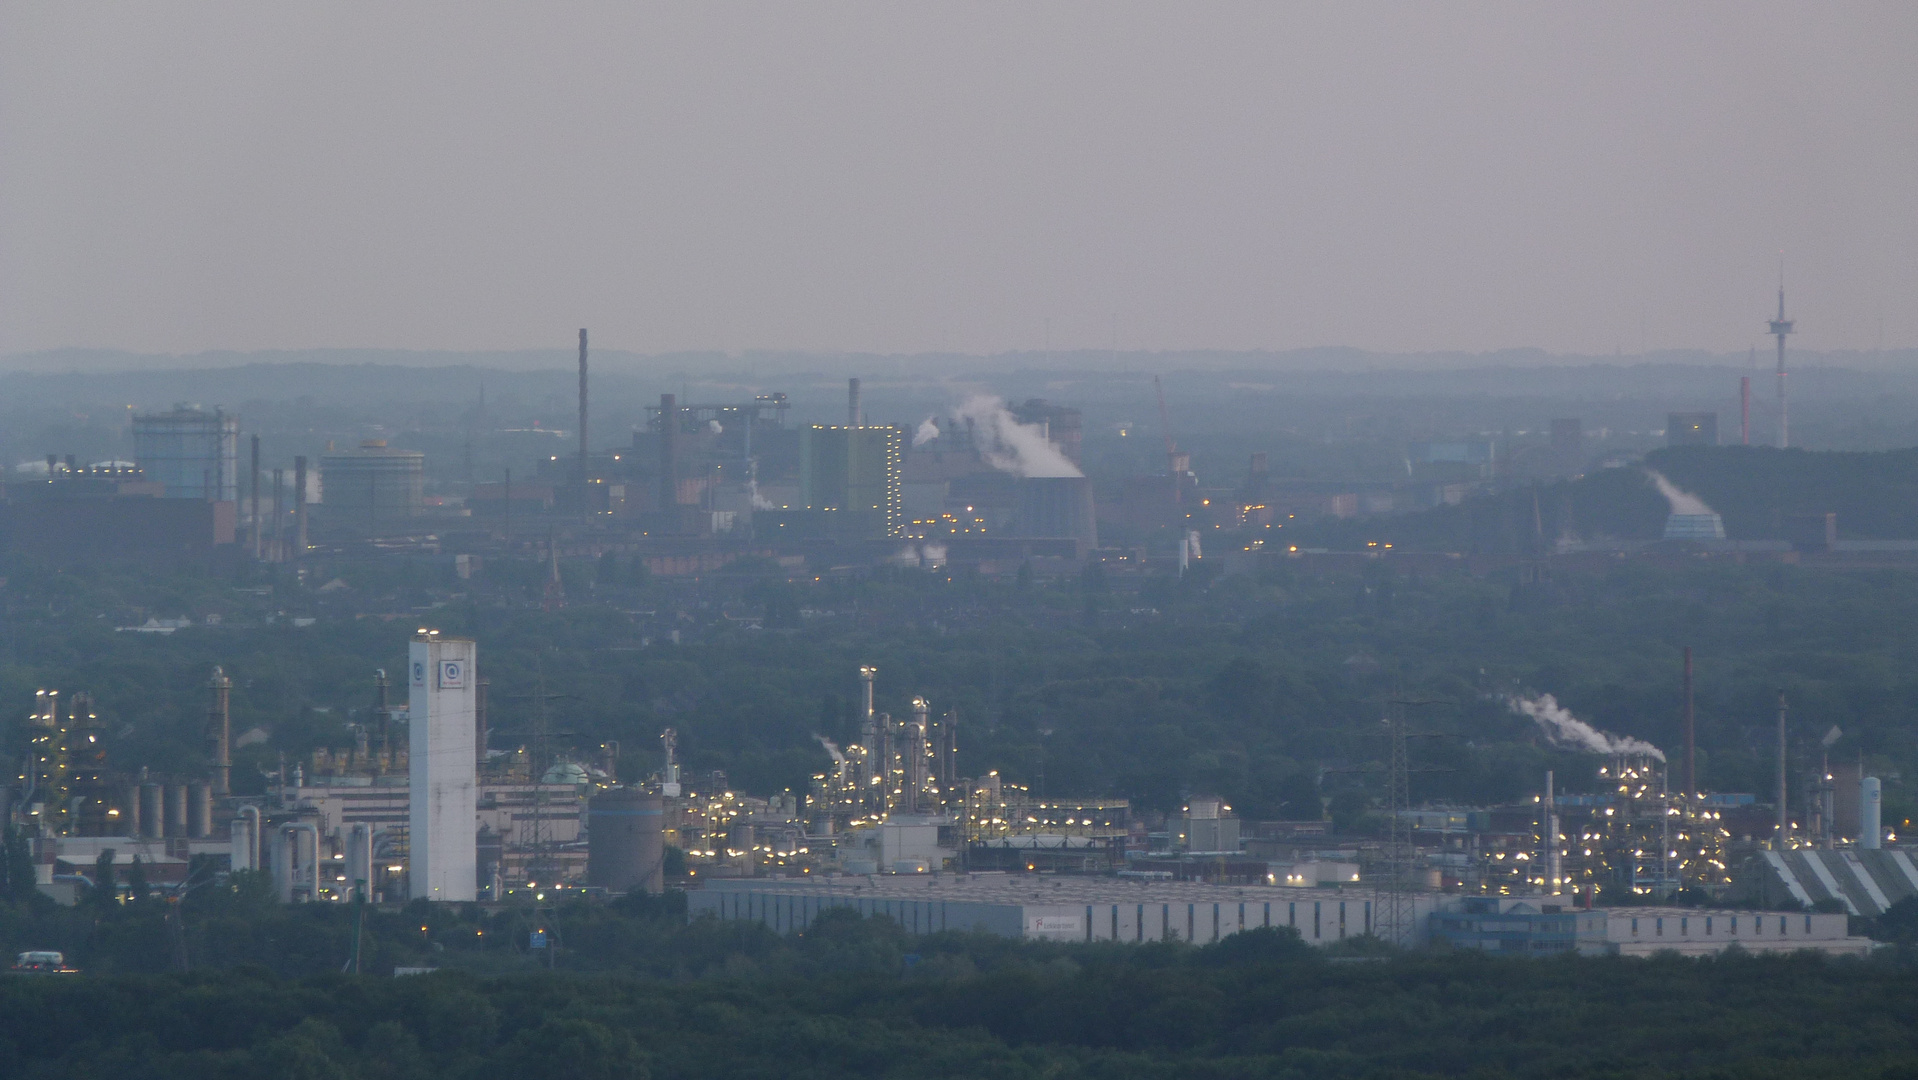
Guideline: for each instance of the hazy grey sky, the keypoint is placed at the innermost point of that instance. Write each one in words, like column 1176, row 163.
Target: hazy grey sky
column 922, row 176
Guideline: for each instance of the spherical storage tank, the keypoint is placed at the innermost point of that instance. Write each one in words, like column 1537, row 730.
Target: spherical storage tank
column 626, row 841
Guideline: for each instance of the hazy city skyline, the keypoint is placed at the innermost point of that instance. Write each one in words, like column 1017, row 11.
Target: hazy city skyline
column 959, row 179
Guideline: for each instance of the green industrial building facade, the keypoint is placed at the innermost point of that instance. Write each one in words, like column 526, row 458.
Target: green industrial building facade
column 850, row 482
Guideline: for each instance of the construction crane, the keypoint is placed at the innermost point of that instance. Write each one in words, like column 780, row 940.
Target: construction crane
column 1171, row 447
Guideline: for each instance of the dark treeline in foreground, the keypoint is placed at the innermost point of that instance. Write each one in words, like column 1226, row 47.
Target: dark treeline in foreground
column 639, row 991
column 848, row 1002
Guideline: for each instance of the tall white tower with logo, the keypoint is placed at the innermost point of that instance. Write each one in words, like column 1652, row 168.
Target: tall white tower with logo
column 441, row 772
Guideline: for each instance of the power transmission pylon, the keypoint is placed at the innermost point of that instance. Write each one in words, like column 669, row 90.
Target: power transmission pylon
column 1394, row 909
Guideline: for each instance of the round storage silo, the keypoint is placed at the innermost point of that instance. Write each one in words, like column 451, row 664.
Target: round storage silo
column 199, row 809
column 376, row 490
column 626, row 841
column 175, row 820
column 152, row 811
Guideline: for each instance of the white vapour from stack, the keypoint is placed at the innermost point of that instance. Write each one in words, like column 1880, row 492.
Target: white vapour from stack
column 1683, row 502
column 927, row 431
column 837, row 757
column 1008, row 445
column 1567, row 730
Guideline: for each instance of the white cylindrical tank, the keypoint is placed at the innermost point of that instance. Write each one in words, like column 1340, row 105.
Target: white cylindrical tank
column 359, row 860
column 1871, row 831
column 240, row 837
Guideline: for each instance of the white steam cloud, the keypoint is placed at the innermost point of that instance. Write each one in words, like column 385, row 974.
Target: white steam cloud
column 1567, row 730
column 1008, row 445
column 927, row 431
column 1683, row 502
column 837, row 757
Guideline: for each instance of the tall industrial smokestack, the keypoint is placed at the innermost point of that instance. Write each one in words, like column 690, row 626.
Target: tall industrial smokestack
column 1784, row 820
column 867, row 673
column 220, row 731
column 1550, row 829
column 299, row 507
column 384, row 717
column 668, row 451
column 852, row 402
column 916, row 771
column 254, row 513
column 869, row 728
column 279, row 514
column 1691, row 776
column 582, row 406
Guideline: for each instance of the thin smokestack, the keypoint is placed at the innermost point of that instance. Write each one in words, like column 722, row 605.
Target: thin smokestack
column 1744, row 410
column 582, row 405
column 852, row 402
column 1691, row 776
column 255, row 512
column 1784, row 819
column 299, row 507
column 1550, row 829
column 668, row 451
column 220, row 729
column 383, row 717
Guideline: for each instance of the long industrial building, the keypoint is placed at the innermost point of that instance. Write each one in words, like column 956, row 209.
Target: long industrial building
column 1061, row 908
column 1865, row 881
column 1530, row 927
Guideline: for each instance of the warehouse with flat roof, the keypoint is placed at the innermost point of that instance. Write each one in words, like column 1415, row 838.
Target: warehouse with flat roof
column 1059, row 908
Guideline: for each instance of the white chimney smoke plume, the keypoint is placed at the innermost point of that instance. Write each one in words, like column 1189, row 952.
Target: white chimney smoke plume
column 1008, row 445
column 1682, row 502
column 1566, row 730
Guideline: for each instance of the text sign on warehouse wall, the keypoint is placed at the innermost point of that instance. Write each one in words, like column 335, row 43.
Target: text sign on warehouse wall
column 1055, row 924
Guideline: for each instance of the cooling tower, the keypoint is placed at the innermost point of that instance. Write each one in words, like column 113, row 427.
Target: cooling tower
column 1057, row 506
